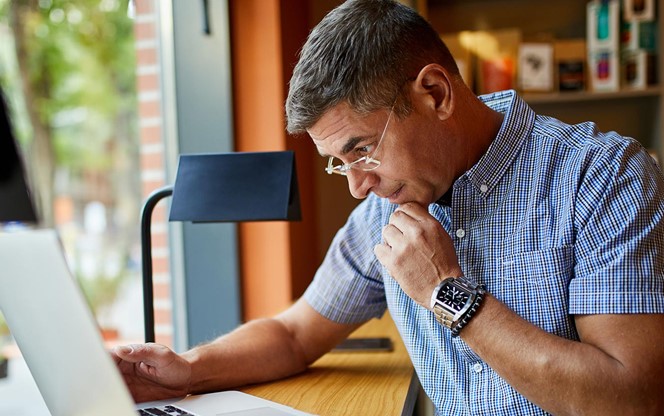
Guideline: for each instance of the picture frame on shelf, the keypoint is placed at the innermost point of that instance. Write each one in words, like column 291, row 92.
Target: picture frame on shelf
column 535, row 69
column 639, row 10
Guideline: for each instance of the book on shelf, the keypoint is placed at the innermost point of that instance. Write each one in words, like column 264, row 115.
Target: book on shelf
column 487, row 59
column 619, row 51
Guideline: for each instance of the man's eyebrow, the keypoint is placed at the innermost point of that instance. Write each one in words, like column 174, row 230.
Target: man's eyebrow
column 348, row 147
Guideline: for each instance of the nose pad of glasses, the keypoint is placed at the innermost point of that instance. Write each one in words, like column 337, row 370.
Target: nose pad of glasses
column 339, row 170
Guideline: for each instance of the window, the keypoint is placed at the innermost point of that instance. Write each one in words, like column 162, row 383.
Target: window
column 69, row 71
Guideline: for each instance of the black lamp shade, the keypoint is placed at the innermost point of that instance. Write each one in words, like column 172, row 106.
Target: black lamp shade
column 221, row 187
column 227, row 187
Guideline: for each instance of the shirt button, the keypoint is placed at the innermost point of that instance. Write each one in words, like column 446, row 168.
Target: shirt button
column 477, row 367
column 484, row 188
column 460, row 233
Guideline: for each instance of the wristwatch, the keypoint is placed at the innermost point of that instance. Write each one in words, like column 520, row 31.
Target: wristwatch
column 455, row 300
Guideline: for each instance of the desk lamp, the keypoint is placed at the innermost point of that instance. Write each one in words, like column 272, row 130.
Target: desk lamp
column 221, row 187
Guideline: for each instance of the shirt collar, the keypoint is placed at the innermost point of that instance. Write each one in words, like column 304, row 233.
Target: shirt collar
column 445, row 200
column 517, row 126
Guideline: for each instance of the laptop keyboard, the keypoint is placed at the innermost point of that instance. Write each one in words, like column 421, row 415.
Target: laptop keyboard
column 164, row 411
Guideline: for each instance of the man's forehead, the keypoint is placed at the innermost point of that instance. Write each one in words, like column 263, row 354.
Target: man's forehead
column 339, row 128
column 332, row 120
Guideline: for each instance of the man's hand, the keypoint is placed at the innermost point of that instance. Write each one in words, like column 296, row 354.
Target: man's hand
column 152, row 371
column 417, row 252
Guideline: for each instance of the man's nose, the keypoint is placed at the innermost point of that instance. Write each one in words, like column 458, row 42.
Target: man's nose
column 360, row 182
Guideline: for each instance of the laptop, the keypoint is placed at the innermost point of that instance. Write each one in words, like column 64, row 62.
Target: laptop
column 60, row 342
column 56, row 331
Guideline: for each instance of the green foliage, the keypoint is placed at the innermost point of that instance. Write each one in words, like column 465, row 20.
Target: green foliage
column 78, row 67
column 81, row 59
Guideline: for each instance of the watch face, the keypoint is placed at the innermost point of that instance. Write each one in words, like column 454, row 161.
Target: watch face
column 453, row 297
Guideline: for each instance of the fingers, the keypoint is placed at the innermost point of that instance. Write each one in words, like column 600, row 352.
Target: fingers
column 152, row 371
column 414, row 211
column 150, row 354
column 391, row 235
column 410, row 216
column 122, row 351
column 403, row 220
column 125, row 353
column 382, row 252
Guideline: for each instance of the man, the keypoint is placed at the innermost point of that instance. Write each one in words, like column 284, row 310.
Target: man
column 520, row 257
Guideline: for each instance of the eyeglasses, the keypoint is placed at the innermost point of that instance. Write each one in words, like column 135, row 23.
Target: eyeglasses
column 365, row 163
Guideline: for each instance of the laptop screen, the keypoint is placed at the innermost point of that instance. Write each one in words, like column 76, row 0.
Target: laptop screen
column 15, row 202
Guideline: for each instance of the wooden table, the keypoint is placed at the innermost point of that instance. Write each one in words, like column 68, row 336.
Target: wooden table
column 353, row 383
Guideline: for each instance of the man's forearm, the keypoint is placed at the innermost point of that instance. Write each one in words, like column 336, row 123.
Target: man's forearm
column 559, row 375
column 259, row 351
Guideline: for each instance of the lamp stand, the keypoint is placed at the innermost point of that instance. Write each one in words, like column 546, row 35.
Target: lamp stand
column 146, row 257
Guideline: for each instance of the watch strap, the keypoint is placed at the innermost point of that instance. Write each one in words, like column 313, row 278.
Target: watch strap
column 443, row 316
column 479, row 297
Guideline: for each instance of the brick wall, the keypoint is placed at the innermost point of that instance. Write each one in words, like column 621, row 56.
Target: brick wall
column 152, row 172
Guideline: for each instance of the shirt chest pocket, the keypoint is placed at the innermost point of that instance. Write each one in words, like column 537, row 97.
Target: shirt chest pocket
column 535, row 286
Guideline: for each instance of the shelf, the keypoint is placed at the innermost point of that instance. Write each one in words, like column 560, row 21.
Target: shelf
column 633, row 113
column 567, row 97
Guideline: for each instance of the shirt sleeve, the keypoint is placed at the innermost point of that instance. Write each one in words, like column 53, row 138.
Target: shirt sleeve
column 620, row 233
column 348, row 286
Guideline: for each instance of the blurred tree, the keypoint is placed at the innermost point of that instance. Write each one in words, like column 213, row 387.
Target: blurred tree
column 34, row 88
column 77, row 65
column 75, row 75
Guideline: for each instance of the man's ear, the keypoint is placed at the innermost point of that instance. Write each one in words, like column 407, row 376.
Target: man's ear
column 434, row 86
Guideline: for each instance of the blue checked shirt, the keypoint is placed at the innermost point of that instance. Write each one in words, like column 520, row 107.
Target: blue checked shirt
column 556, row 220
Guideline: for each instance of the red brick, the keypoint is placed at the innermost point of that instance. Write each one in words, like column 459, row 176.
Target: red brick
column 144, row 7
column 162, row 316
column 150, row 134
column 151, row 186
column 159, row 213
column 149, row 109
column 162, row 291
column 164, row 339
column 144, row 31
column 152, row 161
column 160, row 265
column 147, row 82
column 146, row 57
column 159, row 240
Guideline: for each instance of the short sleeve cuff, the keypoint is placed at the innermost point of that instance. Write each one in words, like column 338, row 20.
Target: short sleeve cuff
column 343, row 307
column 591, row 303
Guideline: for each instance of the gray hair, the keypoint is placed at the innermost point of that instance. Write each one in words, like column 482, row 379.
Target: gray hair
column 363, row 52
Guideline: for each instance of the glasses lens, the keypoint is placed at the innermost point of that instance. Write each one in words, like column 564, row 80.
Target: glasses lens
column 368, row 164
column 365, row 163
